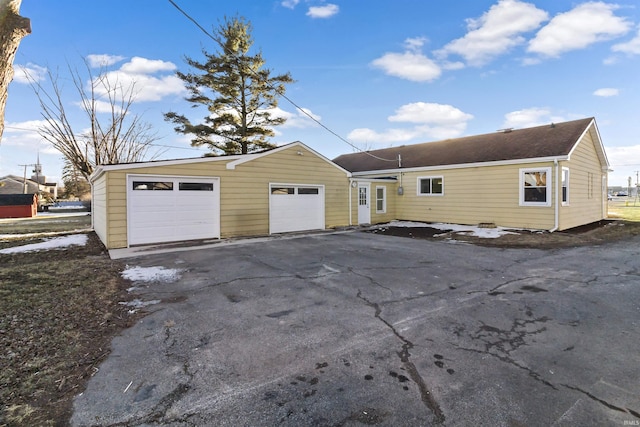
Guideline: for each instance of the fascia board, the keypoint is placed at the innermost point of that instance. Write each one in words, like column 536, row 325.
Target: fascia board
column 464, row 165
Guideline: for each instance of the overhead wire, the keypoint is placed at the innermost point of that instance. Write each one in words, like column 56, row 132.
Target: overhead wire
column 302, row 110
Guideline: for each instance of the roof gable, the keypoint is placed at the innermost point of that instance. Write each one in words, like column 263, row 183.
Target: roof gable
column 233, row 160
column 549, row 141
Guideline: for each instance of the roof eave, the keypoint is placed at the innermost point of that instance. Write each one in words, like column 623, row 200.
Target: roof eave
column 465, row 165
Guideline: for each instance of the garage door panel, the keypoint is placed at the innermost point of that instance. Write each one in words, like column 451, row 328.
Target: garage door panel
column 296, row 208
column 159, row 211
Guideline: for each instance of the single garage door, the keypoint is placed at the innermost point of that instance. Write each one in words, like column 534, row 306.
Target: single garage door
column 296, row 207
column 170, row 208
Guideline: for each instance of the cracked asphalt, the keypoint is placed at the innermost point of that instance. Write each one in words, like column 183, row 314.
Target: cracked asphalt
column 354, row 329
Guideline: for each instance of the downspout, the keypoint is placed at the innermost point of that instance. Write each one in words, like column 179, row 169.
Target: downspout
column 350, row 203
column 557, row 197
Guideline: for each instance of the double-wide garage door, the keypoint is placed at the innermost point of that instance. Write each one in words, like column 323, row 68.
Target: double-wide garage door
column 296, row 208
column 170, row 208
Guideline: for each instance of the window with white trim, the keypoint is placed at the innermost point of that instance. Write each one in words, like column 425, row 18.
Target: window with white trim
column 565, row 186
column 381, row 199
column 430, row 186
column 535, row 187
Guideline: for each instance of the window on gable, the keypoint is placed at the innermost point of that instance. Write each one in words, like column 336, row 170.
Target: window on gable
column 535, row 187
column 565, row 186
column 430, row 185
column 381, row 199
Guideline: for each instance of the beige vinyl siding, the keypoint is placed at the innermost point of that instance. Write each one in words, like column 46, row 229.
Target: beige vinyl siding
column 391, row 195
column 99, row 207
column 475, row 195
column 244, row 191
column 586, row 198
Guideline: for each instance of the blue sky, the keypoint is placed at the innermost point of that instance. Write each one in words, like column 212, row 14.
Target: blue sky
column 377, row 73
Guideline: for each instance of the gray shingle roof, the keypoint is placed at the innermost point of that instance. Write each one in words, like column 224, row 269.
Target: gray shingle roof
column 542, row 141
column 16, row 199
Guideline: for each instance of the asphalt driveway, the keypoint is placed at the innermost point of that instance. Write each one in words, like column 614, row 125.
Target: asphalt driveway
column 360, row 329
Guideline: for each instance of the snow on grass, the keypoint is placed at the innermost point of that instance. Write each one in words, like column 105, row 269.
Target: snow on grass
column 43, row 234
column 55, row 243
column 486, row 233
column 151, row 274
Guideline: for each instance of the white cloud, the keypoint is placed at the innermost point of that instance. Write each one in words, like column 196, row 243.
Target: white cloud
column 495, row 32
column 139, row 74
column 434, row 121
column 582, row 26
column 530, row 117
column 298, row 119
column 26, row 73
column 430, row 113
column 632, row 47
column 291, row 4
column 139, row 65
column 24, row 135
column 414, row 44
column 606, row 92
column 103, row 60
column 325, row 11
column 412, row 66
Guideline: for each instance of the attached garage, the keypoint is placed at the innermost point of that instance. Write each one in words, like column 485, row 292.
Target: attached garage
column 287, row 189
column 169, row 208
column 295, row 207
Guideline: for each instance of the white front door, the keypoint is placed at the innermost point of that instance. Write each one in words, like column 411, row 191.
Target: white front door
column 364, row 203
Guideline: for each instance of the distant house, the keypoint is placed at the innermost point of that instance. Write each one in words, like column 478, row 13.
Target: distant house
column 18, row 205
column 12, row 184
column 551, row 177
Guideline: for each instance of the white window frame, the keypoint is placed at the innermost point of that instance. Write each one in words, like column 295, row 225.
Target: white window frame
column 384, row 199
column 565, row 179
column 430, row 194
column 548, row 187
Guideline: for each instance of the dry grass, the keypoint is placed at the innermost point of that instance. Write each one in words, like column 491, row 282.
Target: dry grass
column 627, row 209
column 58, row 313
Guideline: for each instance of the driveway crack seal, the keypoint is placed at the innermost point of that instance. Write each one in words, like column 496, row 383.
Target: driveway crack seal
column 405, row 356
column 602, row 401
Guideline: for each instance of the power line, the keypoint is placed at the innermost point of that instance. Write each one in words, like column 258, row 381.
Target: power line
column 276, row 90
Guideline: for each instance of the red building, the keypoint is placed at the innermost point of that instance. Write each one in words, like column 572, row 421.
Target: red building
column 18, row 205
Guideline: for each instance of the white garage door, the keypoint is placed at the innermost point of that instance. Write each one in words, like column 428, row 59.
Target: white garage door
column 170, row 208
column 295, row 207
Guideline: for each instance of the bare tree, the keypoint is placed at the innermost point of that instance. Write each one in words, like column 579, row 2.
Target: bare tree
column 111, row 132
column 13, row 28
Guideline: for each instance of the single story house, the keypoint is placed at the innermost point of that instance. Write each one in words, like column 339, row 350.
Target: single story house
column 551, row 177
column 18, row 205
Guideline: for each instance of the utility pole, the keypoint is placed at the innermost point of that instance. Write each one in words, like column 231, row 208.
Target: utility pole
column 24, row 180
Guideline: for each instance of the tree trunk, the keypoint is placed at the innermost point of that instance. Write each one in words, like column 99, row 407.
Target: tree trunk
column 13, row 28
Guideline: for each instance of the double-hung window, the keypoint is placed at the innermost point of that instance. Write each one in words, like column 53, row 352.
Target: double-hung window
column 565, row 186
column 430, row 186
column 535, row 187
column 381, row 199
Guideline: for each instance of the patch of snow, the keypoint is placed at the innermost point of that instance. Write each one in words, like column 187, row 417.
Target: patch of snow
column 138, row 303
column 44, row 234
column 151, row 274
column 484, row 233
column 49, row 244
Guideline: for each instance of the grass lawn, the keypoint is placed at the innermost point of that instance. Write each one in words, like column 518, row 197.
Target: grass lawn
column 624, row 208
